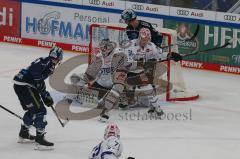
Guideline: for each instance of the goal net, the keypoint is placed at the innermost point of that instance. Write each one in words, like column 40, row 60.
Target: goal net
column 171, row 86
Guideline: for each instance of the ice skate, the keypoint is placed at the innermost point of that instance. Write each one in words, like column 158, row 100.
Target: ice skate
column 25, row 136
column 42, row 143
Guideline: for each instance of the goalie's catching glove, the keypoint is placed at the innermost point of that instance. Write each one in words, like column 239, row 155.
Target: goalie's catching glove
column 47, row 99
column 79, row 80
column 175, row 56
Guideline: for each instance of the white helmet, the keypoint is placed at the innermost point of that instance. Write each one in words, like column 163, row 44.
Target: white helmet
column 106, row 46
column 112, row 130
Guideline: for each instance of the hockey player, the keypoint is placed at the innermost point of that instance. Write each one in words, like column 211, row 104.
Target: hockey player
column 111, row 147
column 31, row 90
column 134, row 26
column 100, row 71
column 141, row 55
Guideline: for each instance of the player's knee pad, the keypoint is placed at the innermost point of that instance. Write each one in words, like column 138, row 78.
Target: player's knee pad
column 28, row 118
column 40, row 121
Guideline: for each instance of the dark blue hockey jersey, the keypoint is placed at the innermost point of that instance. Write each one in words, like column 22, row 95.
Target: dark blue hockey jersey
column 36, row 73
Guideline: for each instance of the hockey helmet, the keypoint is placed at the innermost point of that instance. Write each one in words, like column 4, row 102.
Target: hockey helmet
column 128, row 15
column 56, row 53
column 106, row 46
column 112, row 130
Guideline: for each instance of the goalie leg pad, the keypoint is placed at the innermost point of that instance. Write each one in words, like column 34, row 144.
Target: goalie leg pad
column 112, row 97
column 93, row 68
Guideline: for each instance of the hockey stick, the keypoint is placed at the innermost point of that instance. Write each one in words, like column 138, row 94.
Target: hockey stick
column 62, row 123
column 199, row 51
column 195, row 33
column 9, row 111
column 210, row 49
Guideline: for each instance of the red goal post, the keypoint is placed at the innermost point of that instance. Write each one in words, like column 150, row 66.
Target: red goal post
column 172, row 86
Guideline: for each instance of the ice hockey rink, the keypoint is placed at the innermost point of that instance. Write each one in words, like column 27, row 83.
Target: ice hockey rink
column 209, row 130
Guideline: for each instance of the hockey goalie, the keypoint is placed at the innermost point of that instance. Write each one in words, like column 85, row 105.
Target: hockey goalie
column 117, row 72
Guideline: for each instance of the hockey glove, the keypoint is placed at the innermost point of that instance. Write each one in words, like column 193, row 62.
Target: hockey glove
column 78, row 79
column 175, row 56
column 47, row 99
column 150, row 64
column 130, row 158
column 40, row 86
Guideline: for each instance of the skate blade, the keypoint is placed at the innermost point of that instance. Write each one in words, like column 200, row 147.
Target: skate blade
column 103, row 120
column 43, row 148
column 24, row 141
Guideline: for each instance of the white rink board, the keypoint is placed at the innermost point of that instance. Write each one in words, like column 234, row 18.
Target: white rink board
column 66, row 25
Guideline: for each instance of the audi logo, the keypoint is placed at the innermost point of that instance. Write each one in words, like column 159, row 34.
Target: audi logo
column 95, row 2
column 182, row 12
column 137, row 7
column 230, row 17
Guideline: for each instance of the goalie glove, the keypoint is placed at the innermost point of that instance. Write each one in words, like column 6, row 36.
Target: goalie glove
column 47, row 99
column 78, row 79
column 175, row 56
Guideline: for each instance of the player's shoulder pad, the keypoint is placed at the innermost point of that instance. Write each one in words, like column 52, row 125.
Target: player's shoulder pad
column 45, row 60
column 41, row 61
column 151, row 44
column 134, row 42
column 126, row 44
column 145, row 24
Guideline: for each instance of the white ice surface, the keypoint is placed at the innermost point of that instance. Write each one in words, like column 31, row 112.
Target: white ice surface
column 212, row 131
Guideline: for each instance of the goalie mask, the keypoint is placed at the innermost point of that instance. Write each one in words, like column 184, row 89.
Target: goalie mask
column 144, row 36
column 106, row 46
column 112, row 130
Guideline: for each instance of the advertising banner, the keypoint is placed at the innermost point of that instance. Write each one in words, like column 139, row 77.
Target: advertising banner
column 208, row 37
column 10, row 16
column 192, row 13
column 148, row 8
column 68, row 1
column 51, row 23
column 111, row 4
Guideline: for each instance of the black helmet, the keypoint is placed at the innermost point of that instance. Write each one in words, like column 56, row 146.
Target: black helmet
column 56, row 53
column 128, row 15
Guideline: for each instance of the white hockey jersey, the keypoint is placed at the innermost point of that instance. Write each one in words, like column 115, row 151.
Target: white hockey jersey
column 111, row 148
column 150, row 51
column 104, row 77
